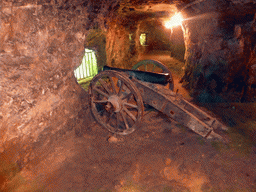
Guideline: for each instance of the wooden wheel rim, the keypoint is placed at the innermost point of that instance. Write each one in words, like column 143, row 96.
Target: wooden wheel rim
column 157, row 64
column 109, row 103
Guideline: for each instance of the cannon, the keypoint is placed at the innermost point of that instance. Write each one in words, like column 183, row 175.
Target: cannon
column 117, row 98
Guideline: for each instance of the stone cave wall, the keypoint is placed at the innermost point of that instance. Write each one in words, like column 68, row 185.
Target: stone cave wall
column 122, row 41
column 220, row 50
column 118, row 45
column 41, row 43
column 40, row 47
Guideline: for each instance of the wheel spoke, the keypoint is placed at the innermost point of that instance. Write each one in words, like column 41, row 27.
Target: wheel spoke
column 101, row 92
column 125, row 121
column 121, row 87
column 117, row 120
column 127, row 96
column 131, row 105
column 113, row 85
column 104, row 115
column 102, row 101
column 104, row 84
column 129, row 113
column 110, row 115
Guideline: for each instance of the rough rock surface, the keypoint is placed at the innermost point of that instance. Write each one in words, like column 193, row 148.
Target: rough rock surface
column 220, row 49
column 40, row 47
column 41, row 43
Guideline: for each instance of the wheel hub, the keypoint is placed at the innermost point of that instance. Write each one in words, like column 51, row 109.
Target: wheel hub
column 115, row 102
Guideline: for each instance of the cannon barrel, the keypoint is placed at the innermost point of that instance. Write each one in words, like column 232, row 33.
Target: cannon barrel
column 159, row 78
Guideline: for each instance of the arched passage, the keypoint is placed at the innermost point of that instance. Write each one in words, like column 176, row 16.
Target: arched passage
column 153, row 36
column 88, row 67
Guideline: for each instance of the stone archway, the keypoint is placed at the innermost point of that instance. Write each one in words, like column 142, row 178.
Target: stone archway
column 88, row 67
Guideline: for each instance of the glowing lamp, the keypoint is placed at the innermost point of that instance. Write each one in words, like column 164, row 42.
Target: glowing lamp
column 174, row 21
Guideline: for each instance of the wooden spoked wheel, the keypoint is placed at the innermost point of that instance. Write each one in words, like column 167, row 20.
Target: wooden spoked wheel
column 156, row 67
column 115, row 102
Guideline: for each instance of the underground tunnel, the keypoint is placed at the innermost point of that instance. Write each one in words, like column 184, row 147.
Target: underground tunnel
column 50, row 50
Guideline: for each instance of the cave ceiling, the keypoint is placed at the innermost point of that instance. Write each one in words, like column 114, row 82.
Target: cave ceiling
column 142, row 9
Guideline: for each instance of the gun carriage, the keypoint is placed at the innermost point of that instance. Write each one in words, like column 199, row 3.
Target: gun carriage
column 117, row 98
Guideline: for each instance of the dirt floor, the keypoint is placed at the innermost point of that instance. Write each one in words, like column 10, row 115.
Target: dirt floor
column 160, row 156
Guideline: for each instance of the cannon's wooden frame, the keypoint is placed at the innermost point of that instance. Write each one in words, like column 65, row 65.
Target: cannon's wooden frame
column 117, row 96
